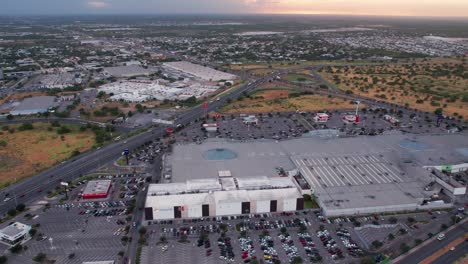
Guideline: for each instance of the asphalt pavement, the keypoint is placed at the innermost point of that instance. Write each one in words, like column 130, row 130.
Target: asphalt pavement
column 36, row 187
column 432, row 247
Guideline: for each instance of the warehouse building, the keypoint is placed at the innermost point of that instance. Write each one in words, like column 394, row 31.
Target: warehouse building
column 14, row 233
column 34, row 105
column 349, row 176
column 221, row 196
column 202, row 72
column 98, row 189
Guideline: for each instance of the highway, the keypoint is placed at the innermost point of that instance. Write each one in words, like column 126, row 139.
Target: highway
column 34, row 188
column 429, row 249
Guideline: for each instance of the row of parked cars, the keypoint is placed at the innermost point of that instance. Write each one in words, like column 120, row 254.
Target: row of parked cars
column 353, row 248
column 309, row 246
column 247, row 249
column 225, row 247
column 288, row 245
column 267, row 246
column 104, row 212
column 330, row 244
column 273, row 224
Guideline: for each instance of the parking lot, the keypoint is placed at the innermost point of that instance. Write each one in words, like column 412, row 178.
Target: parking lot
column 293, row 124
column 65, row 231
column 285, row 236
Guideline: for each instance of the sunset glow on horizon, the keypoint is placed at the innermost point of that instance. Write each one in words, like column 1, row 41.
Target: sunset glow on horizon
column 363, row 7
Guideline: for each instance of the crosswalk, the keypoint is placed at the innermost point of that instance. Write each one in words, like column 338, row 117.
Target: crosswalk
column 334, row 171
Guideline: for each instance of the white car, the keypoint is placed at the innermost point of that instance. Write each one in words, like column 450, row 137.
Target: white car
column 441, row 237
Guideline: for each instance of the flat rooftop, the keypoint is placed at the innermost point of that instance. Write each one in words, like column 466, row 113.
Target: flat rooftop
column 388, row 154
column 35, row 103
column 97, row 187
column 380, row 171
column 199, row 71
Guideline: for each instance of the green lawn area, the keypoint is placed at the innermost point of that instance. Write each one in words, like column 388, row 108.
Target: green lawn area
column 296, row 77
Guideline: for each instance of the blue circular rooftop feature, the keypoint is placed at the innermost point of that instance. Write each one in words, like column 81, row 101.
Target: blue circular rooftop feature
column 219, row 154
column 413, row 144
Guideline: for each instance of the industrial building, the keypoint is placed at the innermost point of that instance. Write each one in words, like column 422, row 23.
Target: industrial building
column 349, row 176
column 144, row 90
column 202, row 72
column 34, row 105
column 128, row 71
column 221, row 196
column 14, row 233
column 98, row 189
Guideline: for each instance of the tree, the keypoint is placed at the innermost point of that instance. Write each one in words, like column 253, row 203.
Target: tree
column 26, row 126
column 16, row 248
column 284, row 230
column 41, row 257
column 10, row 117
column 367, row 260
column 391, row 236
column 191, row 100
column 417, row 241
column 438, row 111
column 404, row 248
column 32, row 232
column 20, row 207
column 121, row 253
column 376, row 244
column 142, row 230
column 297, row 260
column 3, row 259
column 393, row 220
column 11, row 212
column 411, row 220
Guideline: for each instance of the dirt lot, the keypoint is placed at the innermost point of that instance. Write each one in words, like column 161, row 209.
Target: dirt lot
column 30, row 151
column 425, row 85
column 279, row 100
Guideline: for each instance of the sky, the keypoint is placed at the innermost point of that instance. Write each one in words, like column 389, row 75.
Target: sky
column 442, row 8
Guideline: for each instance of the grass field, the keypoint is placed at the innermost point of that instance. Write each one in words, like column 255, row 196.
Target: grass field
column 278, row 100
column 297, row 77
column 425, row 85
column 27, row 152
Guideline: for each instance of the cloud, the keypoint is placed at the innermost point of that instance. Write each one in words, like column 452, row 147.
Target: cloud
column 98, row 4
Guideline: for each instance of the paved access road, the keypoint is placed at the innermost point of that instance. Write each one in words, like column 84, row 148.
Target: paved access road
column 33, row 188
column 432, row 247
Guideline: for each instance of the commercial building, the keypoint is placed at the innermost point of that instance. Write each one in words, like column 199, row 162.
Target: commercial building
column 222, row 196
column 349, row 176
column 321, row 118
column 34, row 105
column 98, row 189
column 144, row 90
column 202, row 72
column 128, row 71
column 14, row 233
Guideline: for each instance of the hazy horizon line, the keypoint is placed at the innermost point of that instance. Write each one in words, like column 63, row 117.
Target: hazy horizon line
column 234, row 14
